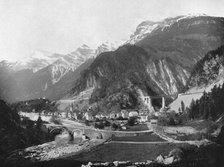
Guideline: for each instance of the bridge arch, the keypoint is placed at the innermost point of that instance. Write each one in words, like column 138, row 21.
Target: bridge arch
column 148, row 100
column 58, row 130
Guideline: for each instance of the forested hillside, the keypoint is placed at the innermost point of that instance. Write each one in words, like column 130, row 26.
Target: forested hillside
column 17, row 133
column 208, row 68
column 207, row 72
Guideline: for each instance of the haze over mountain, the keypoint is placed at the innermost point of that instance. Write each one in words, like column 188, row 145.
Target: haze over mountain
column 45, row 74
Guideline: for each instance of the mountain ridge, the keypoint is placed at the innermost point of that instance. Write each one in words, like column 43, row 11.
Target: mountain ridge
column 172, row 51
column 40, row 74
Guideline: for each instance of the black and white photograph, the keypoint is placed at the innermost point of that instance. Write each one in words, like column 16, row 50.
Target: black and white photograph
column 112, row 83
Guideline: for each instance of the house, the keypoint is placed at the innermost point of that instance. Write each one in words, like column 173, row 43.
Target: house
column 75, row 115
column 70, row 114
column 98, row 116
column 153, row 121
column 143, row 118
column 112, row 115
column 124, row 114
column 63, row 114
column 123, row 127
column 157, row 113
column 20, row 112
column 133, row 114
column 88, row 116
column 44, row 112
column 117, row 115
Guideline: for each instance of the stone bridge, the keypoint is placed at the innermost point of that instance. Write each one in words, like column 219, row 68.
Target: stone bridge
column 93, row 133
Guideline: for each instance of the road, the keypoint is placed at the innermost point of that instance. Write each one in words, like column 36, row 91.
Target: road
column 75, row 125
column 131, row 142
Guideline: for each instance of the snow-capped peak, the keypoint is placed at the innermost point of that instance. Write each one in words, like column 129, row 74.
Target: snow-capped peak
column 108, row 46
column 84, row 46
column 35, row 61
column 147, row 27
column 142, row 31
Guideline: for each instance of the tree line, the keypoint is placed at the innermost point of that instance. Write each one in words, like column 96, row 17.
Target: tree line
column 209, row 106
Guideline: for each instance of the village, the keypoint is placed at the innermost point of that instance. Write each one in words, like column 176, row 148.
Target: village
column 76, row 131
column 115, row 120
column 71, row 111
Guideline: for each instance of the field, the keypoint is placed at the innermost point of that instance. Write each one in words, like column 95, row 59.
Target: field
column 143, row 138
column 192, row 130
column 139, row 127
column 126, row 152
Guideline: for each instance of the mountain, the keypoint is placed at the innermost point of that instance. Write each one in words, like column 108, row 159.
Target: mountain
column 207, row 78
column 206, row 74
column 185, row 39
column 35, row 61
column 25, row 85
column 142, row 30
column 116, row 76
column 58, row 64
column 44, row 74
column 125, row 74
column 70, row 62
column 107, row 46
column 171, row 48
column 40, row 74
column 147, row 27
column 159, row 63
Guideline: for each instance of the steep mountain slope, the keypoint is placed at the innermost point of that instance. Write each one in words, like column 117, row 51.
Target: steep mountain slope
column 51, row 82
column 120, row 77
column 45, row 74
column 70, row 62
column 208, row 69
column 164, row 56
column 207, row 73
column 184, row 39
column 41, row 59
column 66, row 83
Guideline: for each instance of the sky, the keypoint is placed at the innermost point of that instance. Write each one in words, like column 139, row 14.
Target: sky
column 60, row 26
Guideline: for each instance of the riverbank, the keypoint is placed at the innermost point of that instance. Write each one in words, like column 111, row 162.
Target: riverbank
column 192, row 156
column 48, row 151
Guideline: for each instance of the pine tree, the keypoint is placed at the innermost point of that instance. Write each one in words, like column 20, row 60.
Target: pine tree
column 38, row 130
column 209, row 106
column 39, row 122
column 182, row 106
column 192, row 108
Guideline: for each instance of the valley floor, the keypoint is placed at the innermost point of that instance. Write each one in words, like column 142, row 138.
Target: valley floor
column 133, row 152
column 139, row 148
